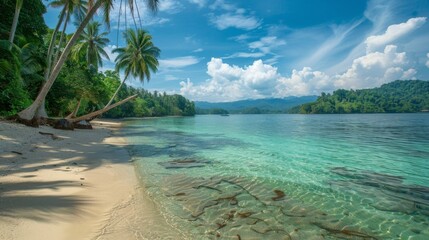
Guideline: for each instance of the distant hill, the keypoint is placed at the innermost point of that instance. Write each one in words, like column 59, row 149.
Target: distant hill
column 253, row 106
column 395, row 97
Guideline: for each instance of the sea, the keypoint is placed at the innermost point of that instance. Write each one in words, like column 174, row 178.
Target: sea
column 287, row 176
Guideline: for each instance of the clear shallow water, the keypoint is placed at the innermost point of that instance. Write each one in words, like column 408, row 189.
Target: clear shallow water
column 288, row 176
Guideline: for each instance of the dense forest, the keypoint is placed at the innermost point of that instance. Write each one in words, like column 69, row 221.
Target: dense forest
column 395, row 97
column 30, row 52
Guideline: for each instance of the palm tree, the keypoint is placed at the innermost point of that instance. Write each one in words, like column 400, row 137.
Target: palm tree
column 29, row 113
column 138, row 58
column 15, row 21
column 75, row 7
column 91, row 45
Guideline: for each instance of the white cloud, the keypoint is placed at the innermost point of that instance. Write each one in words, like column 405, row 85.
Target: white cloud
column 198, row 50
column 327, row 45
column 170, row 6
column 303, row 82
column 178, row 62
column 260, row 80
column 221, row 4
column 246, row 55
column 266, row 44
column 381, row 14
column 393, row 33
column 241, row 37
column 260, row 48
column 427, row 62
column 376, row 68
column 235, row 20
column 229, row 82
column 200, row 3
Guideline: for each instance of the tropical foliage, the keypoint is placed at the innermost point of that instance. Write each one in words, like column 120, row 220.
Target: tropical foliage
column 395, row 97
column 138, row 58
column 89, row 48
column 25, row 65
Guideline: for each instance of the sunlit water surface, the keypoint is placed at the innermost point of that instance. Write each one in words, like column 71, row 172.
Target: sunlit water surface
column 287, row 176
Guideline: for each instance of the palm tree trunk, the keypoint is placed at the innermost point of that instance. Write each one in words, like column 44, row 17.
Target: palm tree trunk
column 116, row 93
column 15, row 22
column 101, row 111
column 52, row 44
column 57, row 54
column 41, row 112
column 29, row 113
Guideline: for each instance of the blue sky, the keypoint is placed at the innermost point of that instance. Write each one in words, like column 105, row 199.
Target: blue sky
column 224, row 50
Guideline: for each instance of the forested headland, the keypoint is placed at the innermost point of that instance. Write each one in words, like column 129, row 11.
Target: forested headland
column 401, row 96
column 31, row 54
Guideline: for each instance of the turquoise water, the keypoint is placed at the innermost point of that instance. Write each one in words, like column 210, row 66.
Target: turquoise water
column 287, row 176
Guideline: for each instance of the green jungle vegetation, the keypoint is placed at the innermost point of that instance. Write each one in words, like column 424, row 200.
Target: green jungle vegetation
column 30, row 54
column 400, row 96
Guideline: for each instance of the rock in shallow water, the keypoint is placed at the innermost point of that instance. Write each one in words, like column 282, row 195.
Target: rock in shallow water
column 185, row 163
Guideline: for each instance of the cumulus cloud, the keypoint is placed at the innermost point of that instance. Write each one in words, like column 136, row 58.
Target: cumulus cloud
column 260, row 80
column 178, row 62
column 303, row 82
column 376, row 68
column 393, row 33
column 230, row 82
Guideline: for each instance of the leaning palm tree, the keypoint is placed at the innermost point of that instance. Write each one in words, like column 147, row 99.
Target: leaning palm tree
column 77, row 8
column 138, row 58
column 15, row 21
column 90, row 46
column 29, row 113
column 69, row 7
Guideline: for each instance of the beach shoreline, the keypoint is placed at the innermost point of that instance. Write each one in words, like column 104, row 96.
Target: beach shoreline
column 81, row 184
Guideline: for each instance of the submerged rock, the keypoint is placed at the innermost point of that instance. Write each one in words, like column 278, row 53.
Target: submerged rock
column 185, row 163
column 279, row 195
column 389, row 191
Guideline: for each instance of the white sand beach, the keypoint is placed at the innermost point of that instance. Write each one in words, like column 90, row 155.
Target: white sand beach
column 72, row 185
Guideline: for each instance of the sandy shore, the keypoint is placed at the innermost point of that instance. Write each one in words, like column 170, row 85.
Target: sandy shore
column 72, row 185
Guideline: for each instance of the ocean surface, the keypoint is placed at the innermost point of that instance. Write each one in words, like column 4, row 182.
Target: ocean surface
column 360, row 176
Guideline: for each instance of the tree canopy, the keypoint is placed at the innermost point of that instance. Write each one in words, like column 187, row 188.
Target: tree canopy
column 395, row 97
column 23, row 65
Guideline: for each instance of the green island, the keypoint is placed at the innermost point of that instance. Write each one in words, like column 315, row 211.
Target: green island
column 396, row 97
